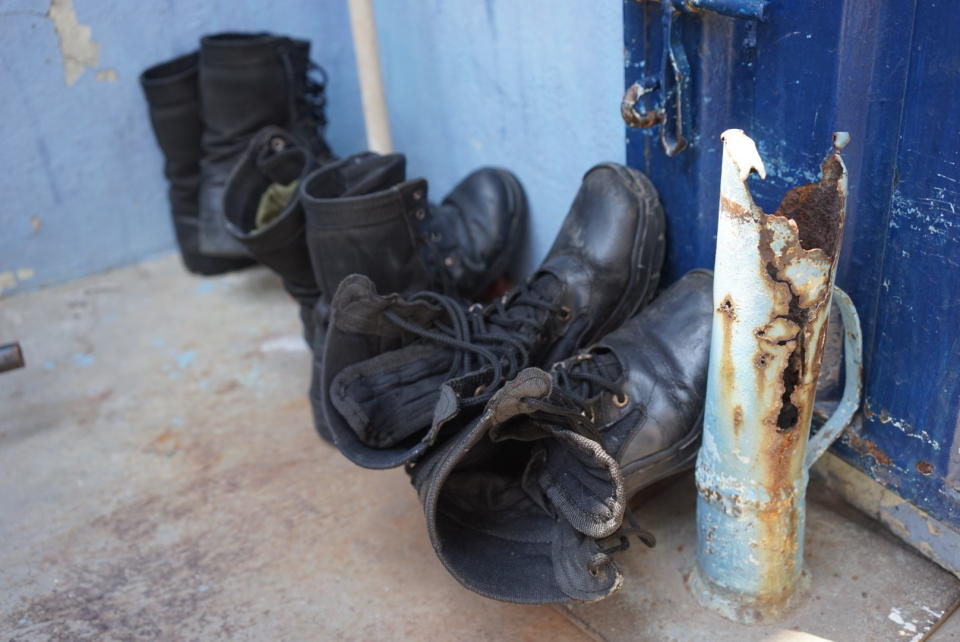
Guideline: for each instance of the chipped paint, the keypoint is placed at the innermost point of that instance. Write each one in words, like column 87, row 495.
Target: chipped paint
column 773, row 288
column 108, row 75
column 77, row 47
column 8, row 281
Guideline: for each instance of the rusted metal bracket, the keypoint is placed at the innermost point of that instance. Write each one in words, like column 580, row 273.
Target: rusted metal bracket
column 666, row 100
column 773, row 288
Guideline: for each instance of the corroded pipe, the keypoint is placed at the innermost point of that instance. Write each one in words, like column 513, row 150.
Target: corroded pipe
column 773, row 286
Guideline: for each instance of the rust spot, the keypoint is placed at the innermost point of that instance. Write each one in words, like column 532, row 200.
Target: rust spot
column 631, row 116
column 736, row 210
column 728, row 308
column 817, row 209
column 884, row 416
column 867, row 447
column 762, row 360
column 737, row 419
column 924, row 467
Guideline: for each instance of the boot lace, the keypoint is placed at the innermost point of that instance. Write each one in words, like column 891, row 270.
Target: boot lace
column 307, row 99
column 502, row 335
column 576, row 385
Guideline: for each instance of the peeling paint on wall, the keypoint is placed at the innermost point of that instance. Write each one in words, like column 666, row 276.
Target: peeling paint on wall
column 107, row 75
column 78, row 49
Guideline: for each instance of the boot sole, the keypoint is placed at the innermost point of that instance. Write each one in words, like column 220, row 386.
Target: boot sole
column 680, row 457
column 649, row 240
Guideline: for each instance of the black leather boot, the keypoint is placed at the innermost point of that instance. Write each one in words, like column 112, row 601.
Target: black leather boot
column 171, row 92
column 520, row 505
column 364, row 217
column 247, row 82
column 263, row 213
column 402, row 373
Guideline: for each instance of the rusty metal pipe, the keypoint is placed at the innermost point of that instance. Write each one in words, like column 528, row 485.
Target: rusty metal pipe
column 11, row 357
column 773, row 287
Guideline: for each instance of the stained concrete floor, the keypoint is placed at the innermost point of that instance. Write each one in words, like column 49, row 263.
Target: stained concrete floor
column 161, row 480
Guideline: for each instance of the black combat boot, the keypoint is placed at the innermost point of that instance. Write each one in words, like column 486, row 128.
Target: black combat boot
column 402, row 373
column 364, row 217
column 247, row 82
column 263, row 212
column 172, row 100
column 522, row 504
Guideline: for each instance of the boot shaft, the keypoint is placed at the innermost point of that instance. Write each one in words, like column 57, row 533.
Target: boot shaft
column 364, row 218
column 173, row 106
column 273, row 159
column 249, row 81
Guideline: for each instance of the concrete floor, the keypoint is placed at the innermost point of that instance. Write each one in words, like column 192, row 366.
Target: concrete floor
column 162, row 480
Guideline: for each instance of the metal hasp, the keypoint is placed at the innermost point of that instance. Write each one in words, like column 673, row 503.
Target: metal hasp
column 773, row 287
column 666, row 100
column 11, row 357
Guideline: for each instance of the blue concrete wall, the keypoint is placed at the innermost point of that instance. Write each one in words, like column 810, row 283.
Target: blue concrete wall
column 534, row 86
column 531, row 85
column 81, row 181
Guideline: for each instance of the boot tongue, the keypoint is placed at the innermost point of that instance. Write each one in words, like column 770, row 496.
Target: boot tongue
column 601, row 362
column 543, row 286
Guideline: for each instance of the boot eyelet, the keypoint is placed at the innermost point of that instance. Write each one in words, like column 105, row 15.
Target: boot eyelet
column 421, row 214
column 434, row 236
column 594, row 571
column 277, row 144
column 479, row 390
column 448, row 261
column 621, row 400
column 417, row 195
column 564, row 314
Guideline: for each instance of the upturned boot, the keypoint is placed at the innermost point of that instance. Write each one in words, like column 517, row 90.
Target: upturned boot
column 527, row 504
column 402, row 373
column 172, row 100
column 247, row 82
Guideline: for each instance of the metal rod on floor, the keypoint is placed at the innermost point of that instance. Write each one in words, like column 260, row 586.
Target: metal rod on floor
column 11, row 357
column 375, row 115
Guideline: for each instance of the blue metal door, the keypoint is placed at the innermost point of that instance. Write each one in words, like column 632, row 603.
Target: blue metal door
column 790, row 74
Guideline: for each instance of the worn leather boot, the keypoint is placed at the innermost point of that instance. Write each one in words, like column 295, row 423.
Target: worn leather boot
column 402, row 373
column 364, row 217
column 247, row 82
column 263, row 213
column 520, row 505
column 171, row 92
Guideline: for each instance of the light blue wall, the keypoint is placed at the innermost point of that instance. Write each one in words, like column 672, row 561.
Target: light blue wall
column 531, row 85
column 81, row 186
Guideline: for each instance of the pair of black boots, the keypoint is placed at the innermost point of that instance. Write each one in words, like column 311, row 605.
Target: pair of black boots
column 205, row 107
column 315, row 224
column 524, row 473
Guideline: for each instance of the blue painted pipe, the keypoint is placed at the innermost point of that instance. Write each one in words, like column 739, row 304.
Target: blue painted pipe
column 773, row 286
